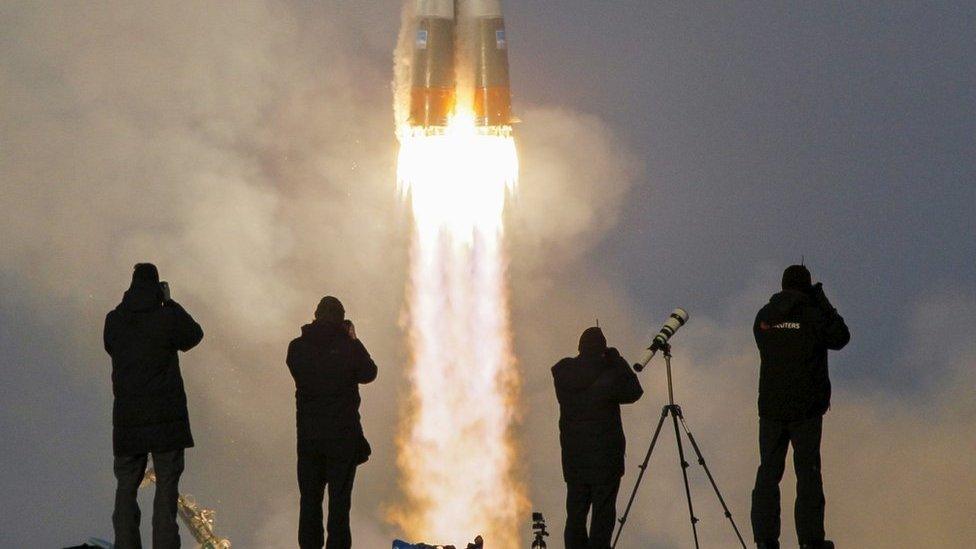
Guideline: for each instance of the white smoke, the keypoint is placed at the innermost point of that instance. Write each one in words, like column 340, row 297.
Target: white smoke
column 248, row 149
column 236, row 148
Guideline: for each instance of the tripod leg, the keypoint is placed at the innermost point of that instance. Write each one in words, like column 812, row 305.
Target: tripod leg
column 640, row 476
column 701, row 461
column 675, row 414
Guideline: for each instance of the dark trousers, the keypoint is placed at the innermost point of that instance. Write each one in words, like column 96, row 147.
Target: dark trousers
column 316, row 471
column 774, row 439
column 129, row 470
column 580, row 500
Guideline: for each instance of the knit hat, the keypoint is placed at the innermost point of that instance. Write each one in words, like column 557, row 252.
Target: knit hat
column 330, row 309
column 796, row 277
column 145, row 272
column 592, row 342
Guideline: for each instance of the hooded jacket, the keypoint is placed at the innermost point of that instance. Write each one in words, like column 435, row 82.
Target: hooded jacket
column 590, row 390
column 328, row 366
column 793, row 332
column 143, row 335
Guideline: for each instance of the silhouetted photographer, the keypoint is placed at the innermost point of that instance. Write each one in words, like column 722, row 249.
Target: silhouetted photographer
column 143, row 335
column 590, row 388
column 328, row 364
column 794, row 331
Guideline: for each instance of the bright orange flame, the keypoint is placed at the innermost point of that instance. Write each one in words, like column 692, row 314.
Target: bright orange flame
column 456, row 453
column 458, row 178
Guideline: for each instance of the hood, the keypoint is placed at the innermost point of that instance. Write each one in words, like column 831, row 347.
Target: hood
column 782, row 305
column 141, row 296
column 579, row 373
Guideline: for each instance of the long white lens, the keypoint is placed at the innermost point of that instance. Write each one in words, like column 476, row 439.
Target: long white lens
column 676, row 320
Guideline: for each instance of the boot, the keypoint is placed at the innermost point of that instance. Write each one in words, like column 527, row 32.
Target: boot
column 825, row 544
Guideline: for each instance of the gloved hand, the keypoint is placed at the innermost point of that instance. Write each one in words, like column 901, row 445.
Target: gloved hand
column 820, row 298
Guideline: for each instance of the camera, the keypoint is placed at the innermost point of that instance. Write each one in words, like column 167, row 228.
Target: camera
column 539, row 530
column 676, row 320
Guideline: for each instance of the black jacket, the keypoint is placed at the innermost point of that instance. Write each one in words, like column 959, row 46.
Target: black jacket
column 328, row 367
column 793, row 332
column 590, row 390
column 143, row 335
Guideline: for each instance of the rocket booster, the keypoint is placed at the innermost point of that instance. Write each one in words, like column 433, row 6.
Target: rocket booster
column 432, row 86
column 492, row 92
column 438, row 55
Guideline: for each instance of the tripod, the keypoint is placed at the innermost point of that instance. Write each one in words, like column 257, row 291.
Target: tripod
column 539, row 530
column 673, row 410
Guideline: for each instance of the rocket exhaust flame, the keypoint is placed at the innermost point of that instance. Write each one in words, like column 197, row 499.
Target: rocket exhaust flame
column 456, row 456
column 457, row 164
column 457, row 178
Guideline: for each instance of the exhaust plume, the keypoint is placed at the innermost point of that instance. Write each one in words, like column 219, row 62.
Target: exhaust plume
column 456, row 453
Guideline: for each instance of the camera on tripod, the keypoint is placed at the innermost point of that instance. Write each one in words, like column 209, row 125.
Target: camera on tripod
column 539, row 530
column 676, row 320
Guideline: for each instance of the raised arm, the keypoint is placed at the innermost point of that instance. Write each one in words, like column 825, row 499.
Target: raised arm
column 365, row 367
column 833, row 332
column 186, row 332
column 292, row 357
column 626, row 388
column 105, row 333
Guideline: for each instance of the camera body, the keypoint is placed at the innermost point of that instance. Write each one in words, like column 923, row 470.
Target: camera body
column 539, row 530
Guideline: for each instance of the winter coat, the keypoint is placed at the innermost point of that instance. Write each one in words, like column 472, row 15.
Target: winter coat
column 143, row 335
column 590, row 390
column 793, row 332
column 328, row 366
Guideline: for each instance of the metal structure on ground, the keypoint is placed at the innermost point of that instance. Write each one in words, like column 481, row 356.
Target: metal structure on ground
column 198, row 520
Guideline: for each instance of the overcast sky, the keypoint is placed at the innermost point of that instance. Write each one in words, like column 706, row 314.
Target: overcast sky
column 672, row 155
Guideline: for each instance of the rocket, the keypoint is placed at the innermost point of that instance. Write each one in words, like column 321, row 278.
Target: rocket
column 453, row 36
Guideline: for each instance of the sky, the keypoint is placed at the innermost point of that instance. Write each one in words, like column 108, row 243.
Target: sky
column 672, row 155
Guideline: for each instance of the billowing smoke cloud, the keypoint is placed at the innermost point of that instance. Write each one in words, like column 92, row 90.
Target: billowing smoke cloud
column 248, row 149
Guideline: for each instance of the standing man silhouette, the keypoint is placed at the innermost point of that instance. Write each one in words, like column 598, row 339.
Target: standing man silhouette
column 590, row 388
column 149, row 416
column 794, row 331
column 328, row 363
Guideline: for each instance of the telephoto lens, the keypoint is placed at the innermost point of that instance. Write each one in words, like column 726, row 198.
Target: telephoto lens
column 676, row 320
